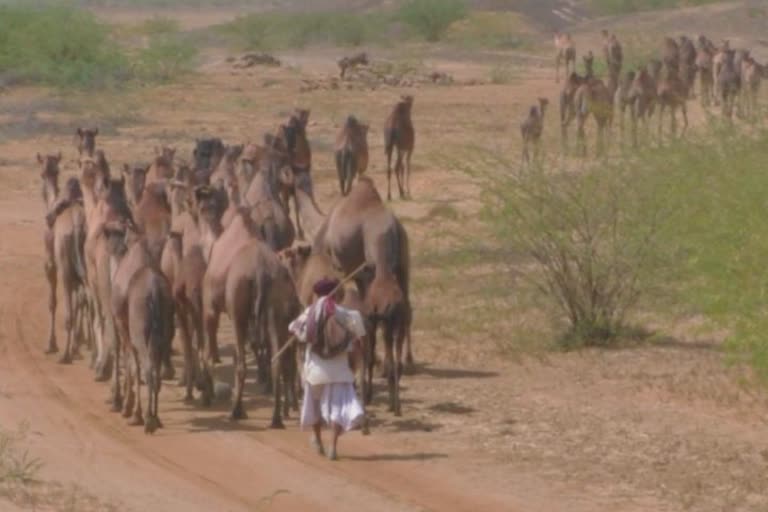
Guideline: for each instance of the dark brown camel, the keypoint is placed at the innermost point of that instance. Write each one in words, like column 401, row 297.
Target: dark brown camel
column 728, row 83
column 399, row 136
column 705, row 53
column 361, row 229
column 568, row 105
column 351, row 152
column 672, row 94
column 565, row 53
column 85, row 140
column 595, row 99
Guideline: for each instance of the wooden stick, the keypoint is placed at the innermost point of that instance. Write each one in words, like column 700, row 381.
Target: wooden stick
column 344, row 281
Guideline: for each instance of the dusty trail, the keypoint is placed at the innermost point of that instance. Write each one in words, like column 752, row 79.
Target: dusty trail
column 200, row 461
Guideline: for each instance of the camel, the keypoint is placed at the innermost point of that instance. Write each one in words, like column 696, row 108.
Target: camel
column 198, row 238
column 688, row 68
column 672, row 93
column 642, row 99
column 568, row 105
column 207, row 155
column 670, row 54
column 622, row 98
column 85, row 139
column 589, row 66
column 614, row 58
column 227, row 165
column 292, row 138
column 532, row 128
column 264, row 196
column 104, row 200
column 717, row 64
column 399, row 135
column 728, row 83
column 345, row 63
column 261, row 297
column 751, row 76
column 162, row 168
column 64, row 239
column 361, row 229
column 593, row 98
column 135, row 178
column 351, row 152
column 704, row 65
column 566, row 52
column 146, row 314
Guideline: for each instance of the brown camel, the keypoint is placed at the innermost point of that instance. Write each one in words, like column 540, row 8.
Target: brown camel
column 670, row 54
column 362, row 229
column 568, row 105
column 728, row 83
column 642, row 100
column 199, row 237
column 261, row 297
column 274, row 181
column 672, row 93
column 717, row 64
column 292, row 139
column 622, row 100
column 400, row 136
column 532, row 128
column 705, row 53
column 687, row 63
column 227, row 165
column 614, row 59
column 85, row 139
column 162, row 167
column 64, row 239
column 351, row 152
column 566, row 53
column 751, row 77
column 146, row 316
column 595, row 99
column 103, row 202
column 206, row 155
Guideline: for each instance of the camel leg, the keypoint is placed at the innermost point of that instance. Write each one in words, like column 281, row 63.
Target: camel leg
column 684, row 109
column 241, row 327
column 581, row 136
column 673, row 120
column 129, row 403
column 117, row 398
column 399, row 172
column 389, row 174
column 408, row 173
column 69, row 325
column 525, row 158
column 661, row 115
column 153, row 392
column 201, row 364
column 188, row 375
column 276, row 368
column 138, row 416
column 50, row 274
column 558, row 58
column 370, row 362
column 398, row 367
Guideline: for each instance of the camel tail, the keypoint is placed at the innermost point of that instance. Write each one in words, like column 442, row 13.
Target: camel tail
column 348, row 166
column 159, row 324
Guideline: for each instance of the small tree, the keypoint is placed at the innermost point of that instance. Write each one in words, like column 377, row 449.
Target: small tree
column 431, row 18
column 591, row 235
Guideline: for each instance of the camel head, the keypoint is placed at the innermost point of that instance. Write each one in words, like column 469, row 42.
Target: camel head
column 85, row 139
column 207, row 154
column 295, row 259
column 167, row 153
column 209, row 204
column 302, row 115
column 407, row 100
column 232, row 153
column 50, row 165
column 115, row 234
column 135, row 179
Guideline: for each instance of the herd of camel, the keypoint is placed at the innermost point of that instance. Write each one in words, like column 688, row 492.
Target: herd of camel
column 727, row 77
column 148, row 248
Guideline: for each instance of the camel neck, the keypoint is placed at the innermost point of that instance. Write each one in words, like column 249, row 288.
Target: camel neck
column 311, row 216
column 50, row 193
column 209, row 233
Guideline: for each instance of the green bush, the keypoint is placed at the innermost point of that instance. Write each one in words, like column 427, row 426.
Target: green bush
column 58, row 46
column 591, row 236
column 270, row 31
column 431, row 18
column 67, row 47
column 629, row 6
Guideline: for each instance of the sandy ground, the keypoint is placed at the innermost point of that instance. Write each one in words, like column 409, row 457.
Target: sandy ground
column 665, row 427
